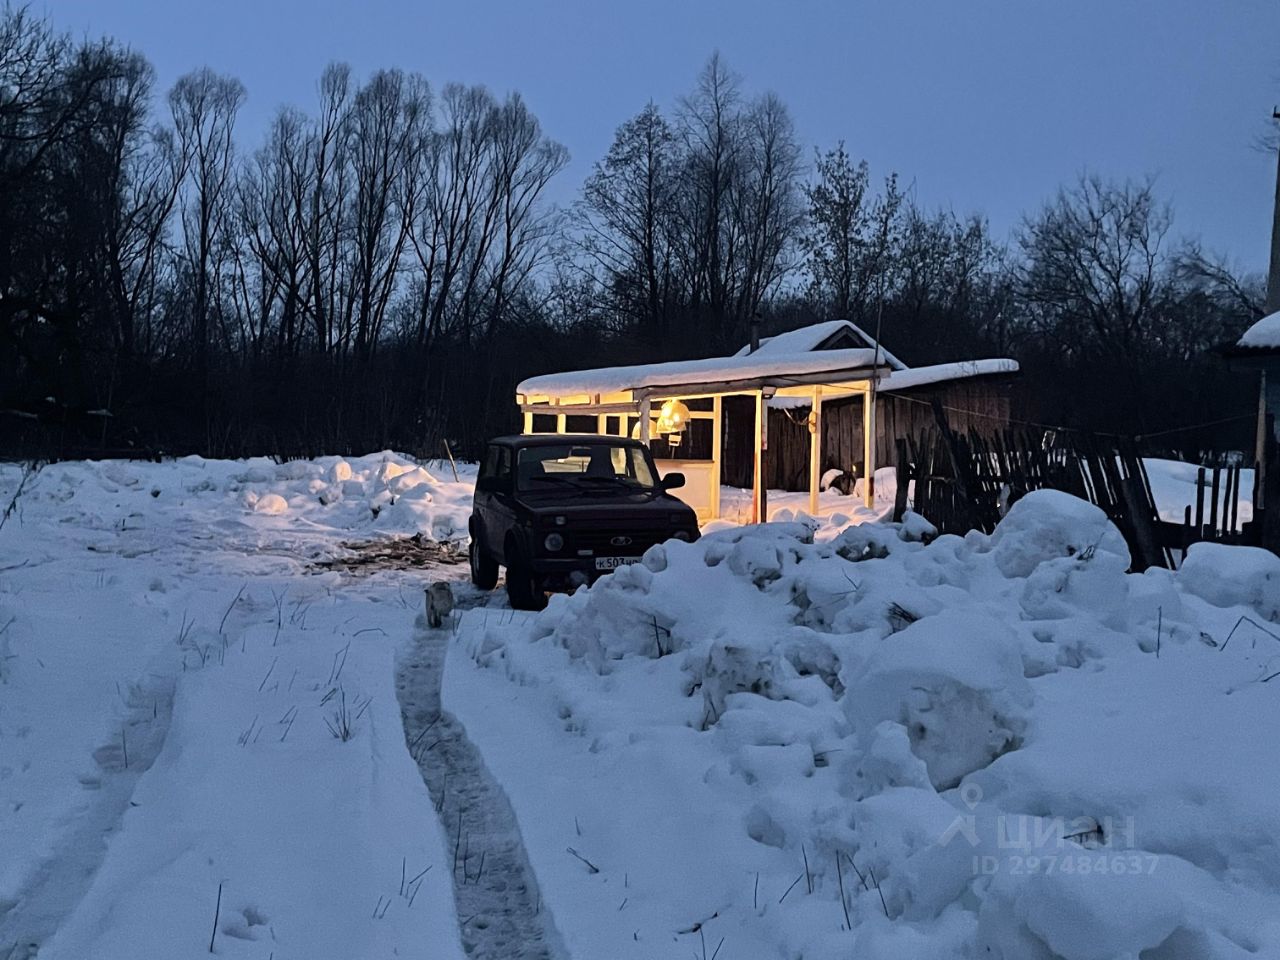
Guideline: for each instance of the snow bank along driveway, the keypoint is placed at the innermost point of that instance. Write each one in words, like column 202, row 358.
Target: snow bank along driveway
column 187, row 710
column 999, row 747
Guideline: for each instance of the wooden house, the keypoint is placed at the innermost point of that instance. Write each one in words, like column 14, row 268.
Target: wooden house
column 776, row 414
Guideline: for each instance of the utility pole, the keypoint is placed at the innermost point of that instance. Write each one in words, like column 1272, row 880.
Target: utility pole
column 1273, row 274
column 1266, row 484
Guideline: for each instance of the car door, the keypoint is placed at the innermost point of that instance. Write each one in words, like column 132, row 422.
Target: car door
column 481, row 501
column 500, row 501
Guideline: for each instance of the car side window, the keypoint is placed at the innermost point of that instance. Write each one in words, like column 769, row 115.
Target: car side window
column 489, row 469
column 502, row 473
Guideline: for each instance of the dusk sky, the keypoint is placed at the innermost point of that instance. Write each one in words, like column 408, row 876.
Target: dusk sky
column 984, row 105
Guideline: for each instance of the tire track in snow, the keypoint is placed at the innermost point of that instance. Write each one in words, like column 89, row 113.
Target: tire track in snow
column 60, row 882
column 500, row 909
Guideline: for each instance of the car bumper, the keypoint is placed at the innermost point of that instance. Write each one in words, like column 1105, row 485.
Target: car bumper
column 571, row 571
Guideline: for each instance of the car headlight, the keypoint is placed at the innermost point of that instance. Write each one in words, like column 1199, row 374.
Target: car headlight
column 682, row 535
column 553, row 542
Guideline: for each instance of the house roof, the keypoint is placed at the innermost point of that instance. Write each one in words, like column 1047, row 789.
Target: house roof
column 777, row 367
column 819, row 336
column 814, row 354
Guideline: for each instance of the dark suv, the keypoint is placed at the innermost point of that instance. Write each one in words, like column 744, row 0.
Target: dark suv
column 558, row 510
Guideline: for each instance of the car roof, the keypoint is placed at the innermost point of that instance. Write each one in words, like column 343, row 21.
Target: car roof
column 549, row 439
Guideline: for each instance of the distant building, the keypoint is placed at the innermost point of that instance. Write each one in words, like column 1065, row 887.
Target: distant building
column 1259, row 349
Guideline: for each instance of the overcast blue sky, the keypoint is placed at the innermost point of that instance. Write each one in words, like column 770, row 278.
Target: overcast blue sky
column 983, row 105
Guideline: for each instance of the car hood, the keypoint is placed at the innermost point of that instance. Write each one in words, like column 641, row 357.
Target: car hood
column 589, row 504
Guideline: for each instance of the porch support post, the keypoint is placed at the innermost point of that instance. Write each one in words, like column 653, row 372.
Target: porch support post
column 815, row 451
column 716, row 440
column 602, row 423
column 869, row 446
column 528, row 421
column 560, row 423
column 644, row 419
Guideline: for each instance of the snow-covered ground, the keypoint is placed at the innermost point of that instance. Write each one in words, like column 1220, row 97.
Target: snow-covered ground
column 1001, row 747
column 1024, row 751
column 172, row 673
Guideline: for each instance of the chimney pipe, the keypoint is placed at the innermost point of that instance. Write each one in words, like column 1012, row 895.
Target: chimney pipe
column 754, row 327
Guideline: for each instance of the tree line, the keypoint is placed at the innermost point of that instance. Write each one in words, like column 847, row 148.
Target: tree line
column 382, row 269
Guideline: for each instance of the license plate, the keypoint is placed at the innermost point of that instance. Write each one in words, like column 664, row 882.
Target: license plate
column 613, row 563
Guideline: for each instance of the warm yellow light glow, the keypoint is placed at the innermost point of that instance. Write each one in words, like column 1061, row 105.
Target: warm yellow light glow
column 674, row 415
column 673, row 419
column 653, row 429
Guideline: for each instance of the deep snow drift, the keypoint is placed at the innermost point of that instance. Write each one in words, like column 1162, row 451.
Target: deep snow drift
column 1002, row 747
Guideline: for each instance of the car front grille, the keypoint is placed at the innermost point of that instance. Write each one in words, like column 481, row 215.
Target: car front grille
column 602, row 543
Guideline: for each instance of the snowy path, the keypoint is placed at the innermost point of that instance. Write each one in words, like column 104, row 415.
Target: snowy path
column 498, row 903
column 174, row 661
column 61, row 881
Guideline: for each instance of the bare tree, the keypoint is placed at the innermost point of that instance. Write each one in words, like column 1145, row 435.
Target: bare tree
column 272, row 208
column 384, row 139
column 708, row 129
column 328, row 180
column 626, row 221
column 766, row 203
column 850, row 235
column 204, row 106
column 1094, row 257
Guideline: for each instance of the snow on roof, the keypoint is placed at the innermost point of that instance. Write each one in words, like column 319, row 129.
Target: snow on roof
column 922, row 376
column 919, row 377
column 1263, row 335
column 854, row 364
column 810, row 338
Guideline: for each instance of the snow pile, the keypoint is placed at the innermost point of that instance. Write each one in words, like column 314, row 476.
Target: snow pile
column 891, row 744
column 1234, row 577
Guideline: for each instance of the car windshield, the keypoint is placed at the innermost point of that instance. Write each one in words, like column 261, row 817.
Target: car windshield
column 584, row 464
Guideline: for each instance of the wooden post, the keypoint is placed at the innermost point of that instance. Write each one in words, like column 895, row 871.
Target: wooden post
column 869, row 445
column 758, row 505
column 644, row 419
column 528, row 422
column 1260, row 448
column 904, row 481
column 602, row 423
column 1269, row 533
column 815, row 450
column 717, row 455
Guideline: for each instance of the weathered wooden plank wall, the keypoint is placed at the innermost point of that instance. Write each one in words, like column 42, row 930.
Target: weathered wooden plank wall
column 978, row 404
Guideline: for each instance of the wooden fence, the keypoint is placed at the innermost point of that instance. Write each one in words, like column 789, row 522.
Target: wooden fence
column 967, row 481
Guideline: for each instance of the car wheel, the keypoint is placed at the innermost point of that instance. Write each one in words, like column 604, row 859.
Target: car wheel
column 484, row 569
column 523, row 589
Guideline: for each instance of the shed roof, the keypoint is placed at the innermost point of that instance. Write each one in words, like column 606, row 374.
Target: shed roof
column 817, row 353
column 911, row 377
column 1263, row 335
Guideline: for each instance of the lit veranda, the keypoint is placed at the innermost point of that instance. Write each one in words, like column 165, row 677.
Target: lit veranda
column 652, row 400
